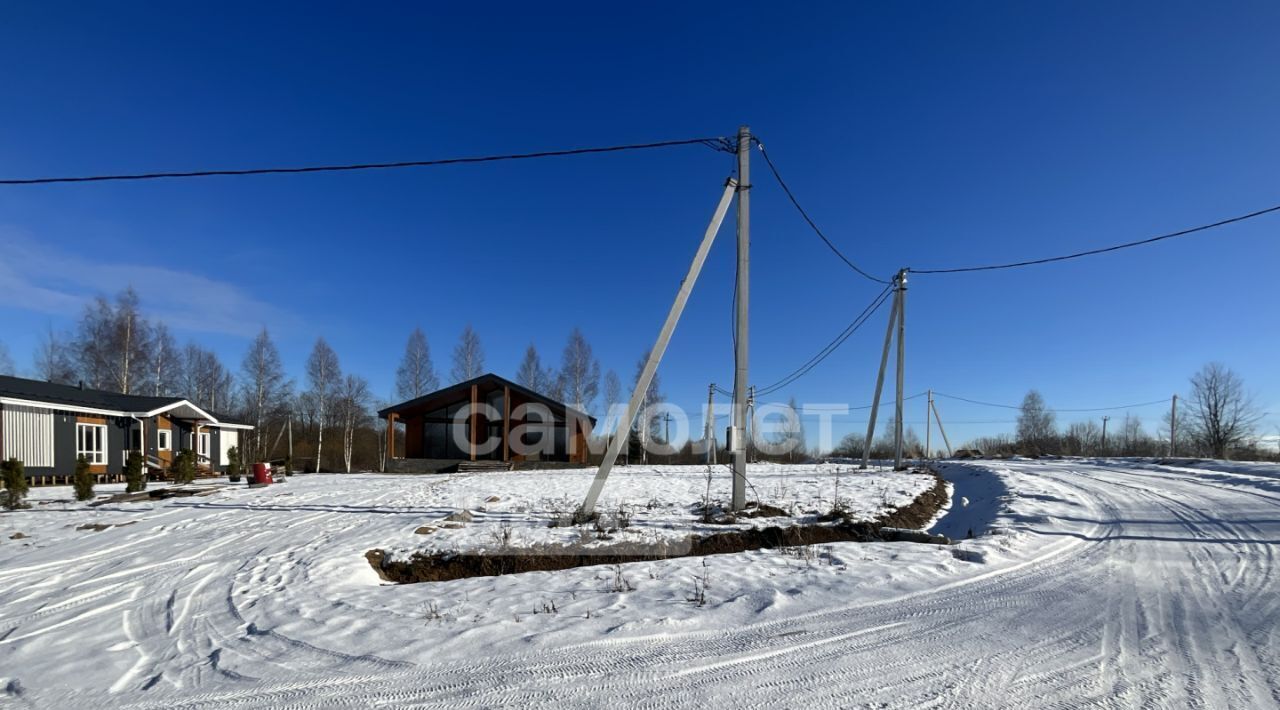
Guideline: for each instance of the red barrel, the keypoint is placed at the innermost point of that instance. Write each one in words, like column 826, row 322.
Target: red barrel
column 262, row 473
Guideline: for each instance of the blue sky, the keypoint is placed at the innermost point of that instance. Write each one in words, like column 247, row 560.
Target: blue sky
column 917, row 134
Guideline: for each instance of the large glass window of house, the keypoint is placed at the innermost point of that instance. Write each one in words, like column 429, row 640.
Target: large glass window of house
column 91, row 443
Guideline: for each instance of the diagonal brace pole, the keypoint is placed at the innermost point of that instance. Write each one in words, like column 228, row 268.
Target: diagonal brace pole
column 655, row 355
column 884, row 362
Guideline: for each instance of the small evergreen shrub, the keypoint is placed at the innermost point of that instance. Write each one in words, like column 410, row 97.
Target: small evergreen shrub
column 15, row 484
column 234, row 467
column 134, row 475
column 83, row 480
column 184, row 466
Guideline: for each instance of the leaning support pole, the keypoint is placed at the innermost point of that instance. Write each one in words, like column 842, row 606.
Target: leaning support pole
column 902, row 337
column 655, row 355
column 884, row 362
column 938, row 417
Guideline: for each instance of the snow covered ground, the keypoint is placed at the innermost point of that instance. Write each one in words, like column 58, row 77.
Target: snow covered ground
column 1112, row 583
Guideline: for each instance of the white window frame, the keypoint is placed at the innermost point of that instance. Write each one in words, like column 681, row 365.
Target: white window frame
column 164, row 439
column 96, row 456
column 203, row 444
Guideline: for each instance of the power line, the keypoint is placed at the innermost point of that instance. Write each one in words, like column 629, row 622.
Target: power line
column 777, row 176
column 1089, row 409
column 831, row 347
column 718, row 144
column 1103, row 250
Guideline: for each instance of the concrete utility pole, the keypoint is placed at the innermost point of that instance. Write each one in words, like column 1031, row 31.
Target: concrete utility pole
column 928, row 426
column 902, row 336
column 710, row 428
column 1105, row 419
column 656, row 353
column 739, row 452
column 884, row 363
column 1173, row 427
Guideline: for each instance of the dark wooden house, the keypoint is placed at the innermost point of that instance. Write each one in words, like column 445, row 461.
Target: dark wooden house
column 50, row 426
column 488, row 418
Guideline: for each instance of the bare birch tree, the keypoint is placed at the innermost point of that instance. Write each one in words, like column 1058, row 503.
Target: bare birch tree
column 579, row 378
column 6, row 362
column 646, row 419
column 325, row 379
column 532, row 375
column 164, row 362
column 352, row 411
column 53, row 359
column 1036, row 422
column 612, row 389
column 468, row 356
column 112, row 344
column 204, row 380
column 416, row 375
column 264, row 391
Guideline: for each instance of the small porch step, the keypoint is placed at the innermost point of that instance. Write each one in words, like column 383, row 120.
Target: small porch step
column 483, row 466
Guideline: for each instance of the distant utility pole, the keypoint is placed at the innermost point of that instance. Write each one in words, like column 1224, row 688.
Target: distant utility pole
column 710, row 434
column 739, row 453
column 898, row 321
column 1105, row 419
column 666, row 437
column 1173, row 427
column 751, row 424
column 928, row 425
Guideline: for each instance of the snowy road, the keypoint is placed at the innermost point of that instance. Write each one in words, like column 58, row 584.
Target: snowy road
column 1106, row 584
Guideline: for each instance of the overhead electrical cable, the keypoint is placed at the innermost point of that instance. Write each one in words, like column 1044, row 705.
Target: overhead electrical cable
column 718, row 144
column 830, row 347
column 1087, row 409
column 813, row 225
column 1103, row 250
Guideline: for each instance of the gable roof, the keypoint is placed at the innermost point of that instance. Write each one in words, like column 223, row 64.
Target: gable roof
column 18, row 390
column 449, row 393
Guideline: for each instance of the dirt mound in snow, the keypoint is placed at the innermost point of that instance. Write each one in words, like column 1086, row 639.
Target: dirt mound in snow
column 445, row 566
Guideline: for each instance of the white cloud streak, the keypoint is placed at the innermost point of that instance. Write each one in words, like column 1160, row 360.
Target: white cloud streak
column 44, row 279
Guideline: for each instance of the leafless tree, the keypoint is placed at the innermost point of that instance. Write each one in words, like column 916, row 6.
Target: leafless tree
column 325, row 379
column 579, row 380
column 6, row 362
column 468, row 356
column 352, row 411
column 416, row 375
column 264, row 391
column 53, row 359
column 1221, row 414
column 646, row 419
column 113, row 342
column 532, row 375
column 790, row 437
column 165, row 361
column 1082, row 439
column 612, row 389
column 1036, row 427
column 204, row 380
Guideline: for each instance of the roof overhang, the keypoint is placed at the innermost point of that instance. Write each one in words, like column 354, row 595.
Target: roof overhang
column 181, row 409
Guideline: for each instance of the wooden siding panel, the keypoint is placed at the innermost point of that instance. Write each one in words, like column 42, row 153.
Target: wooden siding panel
column 28, row 436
